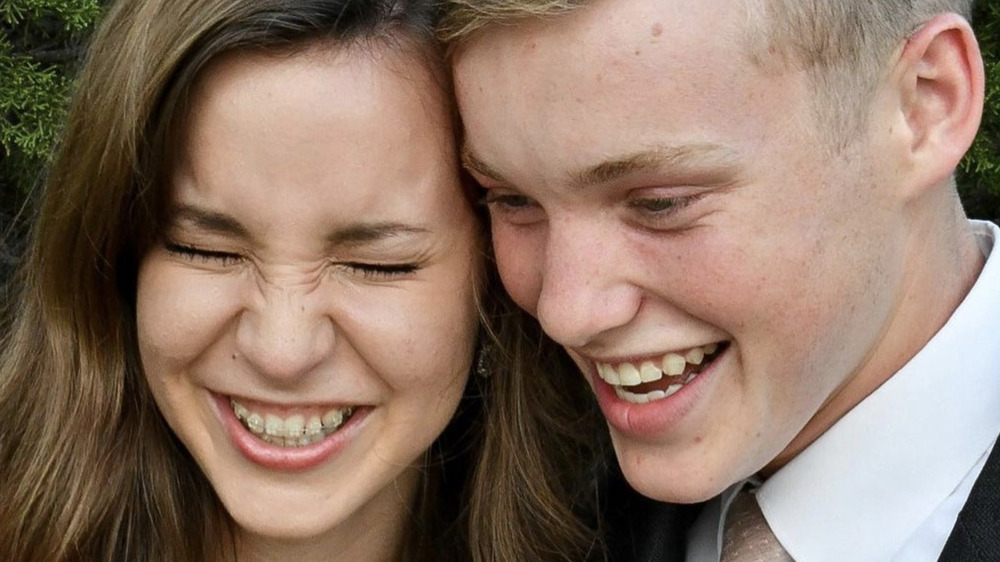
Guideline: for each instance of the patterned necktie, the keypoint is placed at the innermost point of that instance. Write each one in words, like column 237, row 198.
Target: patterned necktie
column 747, row 537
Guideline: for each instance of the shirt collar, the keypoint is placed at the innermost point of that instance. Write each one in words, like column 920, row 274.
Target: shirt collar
column 899, row 453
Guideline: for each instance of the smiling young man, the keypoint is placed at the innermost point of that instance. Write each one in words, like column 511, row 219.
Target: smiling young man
column 739, row 218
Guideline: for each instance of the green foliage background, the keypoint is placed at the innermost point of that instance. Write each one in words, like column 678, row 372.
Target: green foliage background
column 979, row 174
column 41, row 42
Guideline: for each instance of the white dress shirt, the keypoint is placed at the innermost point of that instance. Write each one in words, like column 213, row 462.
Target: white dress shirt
column 887, row 481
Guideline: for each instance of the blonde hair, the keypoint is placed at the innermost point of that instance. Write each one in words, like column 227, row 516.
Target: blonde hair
column 843, row 44
column 88, row 468
column 463, row 18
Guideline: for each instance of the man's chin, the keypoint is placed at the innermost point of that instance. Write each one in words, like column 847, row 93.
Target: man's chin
column 659, row 477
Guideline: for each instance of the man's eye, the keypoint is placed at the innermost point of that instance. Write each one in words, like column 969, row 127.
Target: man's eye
column 513, row 209
column 658, row 205
column 674, row 213
column 380, row 271
column 508, row 201
column 662, row 205
column 203, row 255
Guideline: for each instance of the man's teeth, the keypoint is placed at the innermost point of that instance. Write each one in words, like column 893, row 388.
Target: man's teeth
column 649, row 396
column 671, row 365
column 293, row 431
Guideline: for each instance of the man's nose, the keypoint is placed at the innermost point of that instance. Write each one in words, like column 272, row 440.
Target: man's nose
column 585, row 289
column 285, row 332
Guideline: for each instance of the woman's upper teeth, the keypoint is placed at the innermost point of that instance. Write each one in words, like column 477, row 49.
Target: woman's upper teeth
column 297, row 429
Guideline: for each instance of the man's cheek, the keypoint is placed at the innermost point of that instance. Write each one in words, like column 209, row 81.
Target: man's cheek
column 520, row 268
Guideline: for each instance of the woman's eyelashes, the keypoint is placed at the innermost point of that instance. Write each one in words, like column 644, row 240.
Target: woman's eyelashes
column 367, row 270
column 380, row 271
column 203, row 255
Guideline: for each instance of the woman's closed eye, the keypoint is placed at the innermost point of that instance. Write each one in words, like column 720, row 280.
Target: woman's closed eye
column 369, row 271
column 203, row 255
column 372, row 271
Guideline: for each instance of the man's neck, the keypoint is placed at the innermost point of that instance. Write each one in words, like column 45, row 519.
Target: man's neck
column 942, row 262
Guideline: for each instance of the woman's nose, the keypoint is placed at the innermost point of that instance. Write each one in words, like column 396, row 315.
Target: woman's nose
column 286, row 333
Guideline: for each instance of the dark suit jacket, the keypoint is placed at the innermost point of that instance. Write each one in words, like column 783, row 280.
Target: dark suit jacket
column 976, row 536
column 638, row 529
column 649, row 531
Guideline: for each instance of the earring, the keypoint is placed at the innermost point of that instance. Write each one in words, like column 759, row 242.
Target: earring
column 483, row 363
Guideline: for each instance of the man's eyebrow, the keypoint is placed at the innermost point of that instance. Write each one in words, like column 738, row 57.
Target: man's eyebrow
column 473, row 164
column 211, row 221
column 366, row 233
column 617, row 167
column 657, row 158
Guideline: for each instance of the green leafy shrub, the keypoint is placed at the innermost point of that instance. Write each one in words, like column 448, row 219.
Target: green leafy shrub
column 979, row 174
column 40, row 43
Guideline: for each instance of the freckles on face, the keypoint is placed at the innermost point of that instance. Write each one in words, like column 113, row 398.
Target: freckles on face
column 306, row 319
column 761, row 241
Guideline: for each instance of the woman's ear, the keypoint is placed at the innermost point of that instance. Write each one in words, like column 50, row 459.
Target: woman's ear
column 941, row 80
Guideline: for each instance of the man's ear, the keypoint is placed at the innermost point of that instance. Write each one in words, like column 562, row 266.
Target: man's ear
column 940, row 74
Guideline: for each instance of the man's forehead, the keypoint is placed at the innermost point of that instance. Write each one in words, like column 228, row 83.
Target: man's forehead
column 604, row 34
column 581, row 113
column 657, row 18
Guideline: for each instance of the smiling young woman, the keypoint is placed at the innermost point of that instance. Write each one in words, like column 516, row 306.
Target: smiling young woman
column 250, row 303
column 306, row 319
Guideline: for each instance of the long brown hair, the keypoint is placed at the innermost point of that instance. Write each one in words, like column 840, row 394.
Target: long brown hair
column 88, row 468
column 545, row 460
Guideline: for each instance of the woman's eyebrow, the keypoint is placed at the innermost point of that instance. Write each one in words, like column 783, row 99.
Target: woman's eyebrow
column 210, row 221
column 352, row 235
column 360, row 234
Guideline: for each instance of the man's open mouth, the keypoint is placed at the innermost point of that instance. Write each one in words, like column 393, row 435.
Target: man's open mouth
column 657, row 379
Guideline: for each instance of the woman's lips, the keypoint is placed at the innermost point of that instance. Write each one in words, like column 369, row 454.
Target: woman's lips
column 290, row 442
